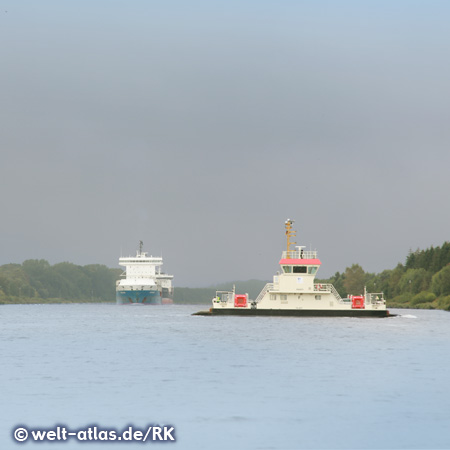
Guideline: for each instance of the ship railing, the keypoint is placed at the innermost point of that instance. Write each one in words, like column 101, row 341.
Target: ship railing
column 267, row 287
column 302, row 254
column 319, row 287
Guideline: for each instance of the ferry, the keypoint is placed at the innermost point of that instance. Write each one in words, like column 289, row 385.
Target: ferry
column 143, row 282
column 294, row 292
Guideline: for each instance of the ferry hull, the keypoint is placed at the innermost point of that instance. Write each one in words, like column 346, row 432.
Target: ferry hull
column 294, row 312
column 141, row 297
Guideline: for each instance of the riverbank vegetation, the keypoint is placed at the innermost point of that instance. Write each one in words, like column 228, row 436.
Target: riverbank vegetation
column 36, row 281
column 422, row 282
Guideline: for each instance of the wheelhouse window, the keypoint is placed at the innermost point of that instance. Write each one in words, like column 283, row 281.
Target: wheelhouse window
column 287, row 269
column 312, row 270
column 300, row 269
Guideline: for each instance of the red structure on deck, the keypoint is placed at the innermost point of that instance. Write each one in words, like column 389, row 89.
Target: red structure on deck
column 358, row 302
column 240, row 301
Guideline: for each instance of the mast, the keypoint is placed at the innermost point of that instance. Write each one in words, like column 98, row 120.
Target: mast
column 289, row 234
column 140, row 247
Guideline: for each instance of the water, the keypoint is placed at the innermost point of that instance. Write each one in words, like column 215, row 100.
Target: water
column 227, row 382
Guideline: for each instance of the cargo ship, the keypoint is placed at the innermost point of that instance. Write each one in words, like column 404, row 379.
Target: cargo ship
column 294, row 292
column 142, row 282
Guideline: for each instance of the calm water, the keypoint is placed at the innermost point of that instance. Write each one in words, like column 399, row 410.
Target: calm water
column 227, row 382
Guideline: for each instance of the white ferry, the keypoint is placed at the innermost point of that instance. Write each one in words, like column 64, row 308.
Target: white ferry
column 143, row 281
column 294, row 292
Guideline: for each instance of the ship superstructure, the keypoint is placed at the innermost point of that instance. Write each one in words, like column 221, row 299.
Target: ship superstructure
column 294, row 292
column 143, row 282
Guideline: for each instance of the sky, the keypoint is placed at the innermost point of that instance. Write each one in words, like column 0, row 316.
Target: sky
column 199, row 127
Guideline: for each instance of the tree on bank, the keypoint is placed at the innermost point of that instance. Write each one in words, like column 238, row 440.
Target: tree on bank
column 440, row 284
column 354, row 280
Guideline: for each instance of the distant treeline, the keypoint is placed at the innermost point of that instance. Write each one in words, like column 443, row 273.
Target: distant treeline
column 36, row 281
column 422, row 282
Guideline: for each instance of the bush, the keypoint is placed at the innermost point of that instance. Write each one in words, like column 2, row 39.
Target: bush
column 428, row 305
column 403, row 298
column 440, row 283
column 400, row 301
column 423, row 297
column 443, row 303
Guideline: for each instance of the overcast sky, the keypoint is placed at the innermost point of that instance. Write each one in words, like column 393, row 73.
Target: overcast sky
column 199, row 127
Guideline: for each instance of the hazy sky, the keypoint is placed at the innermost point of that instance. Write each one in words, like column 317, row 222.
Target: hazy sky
column 199, row 127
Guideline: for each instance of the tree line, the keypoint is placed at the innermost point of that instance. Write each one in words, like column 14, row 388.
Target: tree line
column 422, row 282
column 35, row 280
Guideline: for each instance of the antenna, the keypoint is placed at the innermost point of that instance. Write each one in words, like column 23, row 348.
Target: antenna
column 289, row 233
column 140, row 247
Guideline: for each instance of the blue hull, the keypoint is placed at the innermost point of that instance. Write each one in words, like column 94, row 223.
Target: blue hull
column 138, row 297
